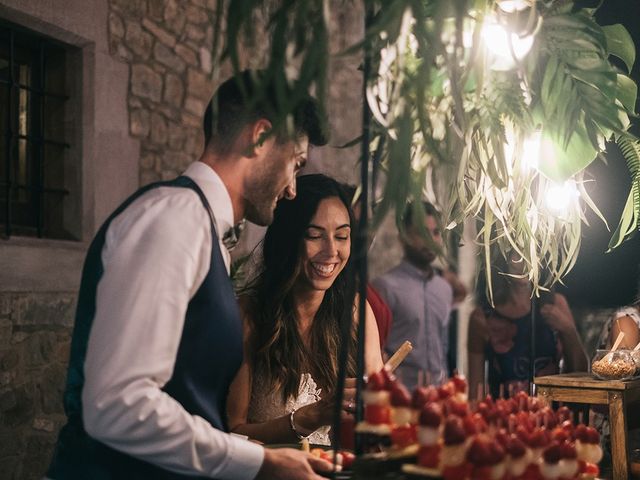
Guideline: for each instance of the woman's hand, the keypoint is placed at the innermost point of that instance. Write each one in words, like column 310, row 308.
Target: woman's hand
column 558, row 315
column 320, row 413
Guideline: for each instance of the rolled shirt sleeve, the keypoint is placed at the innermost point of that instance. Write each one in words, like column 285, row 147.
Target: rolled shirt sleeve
column 155, row 257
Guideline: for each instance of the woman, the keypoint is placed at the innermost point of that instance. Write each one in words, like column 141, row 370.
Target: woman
column 501, row 334
column 293, row 313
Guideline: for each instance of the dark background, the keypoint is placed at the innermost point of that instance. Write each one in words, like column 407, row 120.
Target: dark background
column 611, row 279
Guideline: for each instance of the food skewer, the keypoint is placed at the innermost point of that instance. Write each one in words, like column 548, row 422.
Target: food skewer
column 616, row 344
column 398, row 357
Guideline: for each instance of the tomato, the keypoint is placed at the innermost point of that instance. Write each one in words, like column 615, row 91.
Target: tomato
column 404, row 435
column 459, row 472
column 347, row 459
column 591, row 469
column 429, row 456
column 377, row 414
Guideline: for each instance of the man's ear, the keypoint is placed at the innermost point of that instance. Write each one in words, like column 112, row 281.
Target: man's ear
column 261, row 130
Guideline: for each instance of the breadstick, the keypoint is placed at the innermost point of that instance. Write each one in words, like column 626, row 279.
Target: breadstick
column 398, row 357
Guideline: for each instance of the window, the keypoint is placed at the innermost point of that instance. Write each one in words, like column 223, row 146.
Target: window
column 39, row 183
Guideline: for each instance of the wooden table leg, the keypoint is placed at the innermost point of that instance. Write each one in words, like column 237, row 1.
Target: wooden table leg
column 618, row 422
column 543, row 396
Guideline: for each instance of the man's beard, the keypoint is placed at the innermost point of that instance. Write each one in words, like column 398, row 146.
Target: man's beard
column 419, row 258
column 260, row 196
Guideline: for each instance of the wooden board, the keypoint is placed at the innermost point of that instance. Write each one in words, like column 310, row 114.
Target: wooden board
column 585, row 380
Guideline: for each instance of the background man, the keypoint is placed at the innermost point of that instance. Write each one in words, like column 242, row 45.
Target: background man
column 420, row 301
column 158, row 336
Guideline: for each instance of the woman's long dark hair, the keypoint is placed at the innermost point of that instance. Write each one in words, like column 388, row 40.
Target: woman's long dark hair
column 277, row 348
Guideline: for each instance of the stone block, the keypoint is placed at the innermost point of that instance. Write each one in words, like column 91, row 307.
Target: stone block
column 7, row 401
column 176, row 136
column 197, row 33
column 158, row 129
column 195, row 105
column 6, row 304
column 130, row 7
column 138, row 40
column 169, row 174
column 39, row 449
column 10, row 465
column 148, row 176
column 174, row 16
column 173, row 90
column 116, row 25
column 7, row 378
column 194, row 144
column 45, row 309
column 9, row 359
column 21, row 413
column 43, row 425
column 187, row 54
column 175, row 161
column 146, row 83
column 147, row 160
column 199, row 85
column 190, row 120
column 39, row 349
column 159, row 33
column 5, row 335
column 139, row 122
column 196, row 15
column 51, row 389
column 205, row 60
column 166, row 57
column 155, row 9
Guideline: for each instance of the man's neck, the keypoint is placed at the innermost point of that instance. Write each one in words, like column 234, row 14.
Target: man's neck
column 426, row 268
column 231, row 172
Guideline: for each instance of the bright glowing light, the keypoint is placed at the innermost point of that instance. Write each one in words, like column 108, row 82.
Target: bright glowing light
column 500, row 43
column 560, row 197
column 530, row 149
column 511, row 6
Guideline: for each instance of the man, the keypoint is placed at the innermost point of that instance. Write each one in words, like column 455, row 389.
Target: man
column 420, row 301
column 158, row 336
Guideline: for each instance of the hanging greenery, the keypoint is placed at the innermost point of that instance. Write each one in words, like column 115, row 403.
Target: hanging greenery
column 490, row 109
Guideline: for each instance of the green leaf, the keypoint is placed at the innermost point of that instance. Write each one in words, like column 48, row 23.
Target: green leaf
column 620, row 44
column 627, row 92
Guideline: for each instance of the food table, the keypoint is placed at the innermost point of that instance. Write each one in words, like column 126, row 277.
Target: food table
column 583, row 388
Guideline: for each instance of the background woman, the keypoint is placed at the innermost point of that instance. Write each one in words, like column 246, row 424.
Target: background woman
column 293, row 313
column 501, row 334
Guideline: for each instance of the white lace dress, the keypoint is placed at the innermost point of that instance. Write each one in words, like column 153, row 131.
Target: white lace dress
column 267, row 404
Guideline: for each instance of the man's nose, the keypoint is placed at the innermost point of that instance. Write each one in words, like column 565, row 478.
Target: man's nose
column 290, row 190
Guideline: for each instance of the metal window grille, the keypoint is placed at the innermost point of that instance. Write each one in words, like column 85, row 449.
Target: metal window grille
column 32, row 125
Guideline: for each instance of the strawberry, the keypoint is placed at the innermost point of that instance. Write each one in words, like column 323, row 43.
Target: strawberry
column 377, row 382
column 431, row 415
column 422, row 395
column 400, row 396
column 404, row 435
column 454, row 433
column 377, row 414
column 553, row 453
column 460, row 383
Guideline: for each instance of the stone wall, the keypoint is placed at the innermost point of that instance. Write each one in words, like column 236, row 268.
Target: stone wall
column 34, row 348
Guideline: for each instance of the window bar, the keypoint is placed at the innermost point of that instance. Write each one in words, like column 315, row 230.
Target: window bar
column 40, row 145
column 9, row 140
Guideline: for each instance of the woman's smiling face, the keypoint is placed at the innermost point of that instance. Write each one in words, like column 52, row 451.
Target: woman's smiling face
column 326, row 245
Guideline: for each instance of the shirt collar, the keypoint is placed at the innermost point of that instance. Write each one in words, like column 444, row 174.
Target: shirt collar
column 417, row 272
column 216, row 193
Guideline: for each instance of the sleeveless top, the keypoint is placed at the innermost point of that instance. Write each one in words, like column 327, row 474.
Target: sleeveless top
column 508, row 351
column 266, row 403
column 208, row 358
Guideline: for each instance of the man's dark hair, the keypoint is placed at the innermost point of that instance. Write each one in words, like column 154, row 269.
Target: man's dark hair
column 251, row 95
column 428, row 207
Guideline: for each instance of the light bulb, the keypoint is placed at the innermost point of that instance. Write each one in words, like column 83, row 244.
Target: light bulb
column 558, row 198
column 500, row 43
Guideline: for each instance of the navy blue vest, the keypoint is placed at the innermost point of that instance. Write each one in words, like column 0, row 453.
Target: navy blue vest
column 209, row 356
